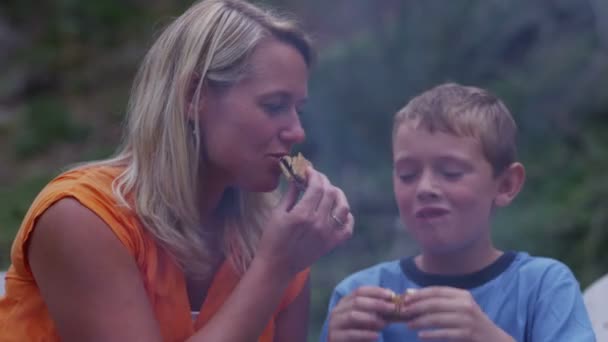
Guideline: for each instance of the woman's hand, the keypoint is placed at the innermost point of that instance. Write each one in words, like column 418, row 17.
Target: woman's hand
column 449, row 314
column 299, row 232
column 361, row 315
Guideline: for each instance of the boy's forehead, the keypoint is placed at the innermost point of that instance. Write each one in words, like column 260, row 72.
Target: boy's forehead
column 412, row 130
column 410, row 141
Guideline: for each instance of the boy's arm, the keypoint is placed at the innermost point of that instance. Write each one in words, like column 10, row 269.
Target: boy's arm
column 560, row 313
column 449, row 314
column 333, row 301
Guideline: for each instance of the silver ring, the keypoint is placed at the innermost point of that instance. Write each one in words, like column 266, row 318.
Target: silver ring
column 337, row 220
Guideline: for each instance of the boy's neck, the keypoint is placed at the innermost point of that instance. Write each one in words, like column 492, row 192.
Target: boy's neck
column 459, row 262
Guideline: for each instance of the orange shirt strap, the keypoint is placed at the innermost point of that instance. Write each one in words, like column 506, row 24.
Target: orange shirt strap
column 226, row 280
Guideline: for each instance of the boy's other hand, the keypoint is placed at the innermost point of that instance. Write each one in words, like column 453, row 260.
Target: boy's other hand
column 361, row 315
column 449, row 314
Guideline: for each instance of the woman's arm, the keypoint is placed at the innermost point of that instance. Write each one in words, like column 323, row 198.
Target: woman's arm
column 292, row 323
column 94, row 292
column 249, row 308
column 297, row 233
column 93, row 288
column 88, row 279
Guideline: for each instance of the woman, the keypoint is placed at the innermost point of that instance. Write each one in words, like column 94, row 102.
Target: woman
column 183, row 218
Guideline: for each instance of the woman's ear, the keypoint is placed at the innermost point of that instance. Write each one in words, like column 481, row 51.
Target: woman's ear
column 194, row 96
column 510, row 183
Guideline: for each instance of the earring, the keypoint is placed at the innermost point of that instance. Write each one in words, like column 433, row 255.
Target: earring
column 193, row 131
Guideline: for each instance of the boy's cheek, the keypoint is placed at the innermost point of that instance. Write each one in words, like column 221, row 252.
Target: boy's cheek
column 405, row 210
column 404, row 195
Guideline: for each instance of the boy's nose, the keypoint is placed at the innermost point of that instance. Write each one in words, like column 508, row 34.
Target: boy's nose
column 427, row 189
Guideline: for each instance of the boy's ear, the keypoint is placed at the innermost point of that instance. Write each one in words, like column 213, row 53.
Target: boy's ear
column 510, row 183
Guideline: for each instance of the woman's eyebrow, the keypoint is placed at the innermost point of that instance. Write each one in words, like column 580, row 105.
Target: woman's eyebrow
column 282, row 94
column 277, row 93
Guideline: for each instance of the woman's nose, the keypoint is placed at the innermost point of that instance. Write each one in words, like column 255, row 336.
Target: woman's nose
column 294, row 133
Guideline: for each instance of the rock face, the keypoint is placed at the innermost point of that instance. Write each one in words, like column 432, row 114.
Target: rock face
column 9, row 39
column 11, row 74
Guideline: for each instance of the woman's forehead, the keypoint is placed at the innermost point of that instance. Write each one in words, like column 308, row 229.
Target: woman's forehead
column 275, row 58
column 276, row 67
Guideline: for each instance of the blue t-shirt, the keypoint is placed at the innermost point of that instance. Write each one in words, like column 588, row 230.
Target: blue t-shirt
column 532, row 299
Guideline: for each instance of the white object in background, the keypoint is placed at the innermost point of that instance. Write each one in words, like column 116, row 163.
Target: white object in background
column 2, row 283
column 596, row 301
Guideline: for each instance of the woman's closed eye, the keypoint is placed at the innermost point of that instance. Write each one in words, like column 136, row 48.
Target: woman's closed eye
column 275, row 108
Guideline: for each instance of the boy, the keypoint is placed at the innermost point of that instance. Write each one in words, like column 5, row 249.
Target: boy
column 455, row 163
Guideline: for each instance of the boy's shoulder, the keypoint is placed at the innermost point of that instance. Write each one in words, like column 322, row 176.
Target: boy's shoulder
column 535, row 271
column 382, row 274
column 538, row 274
column 539, row 266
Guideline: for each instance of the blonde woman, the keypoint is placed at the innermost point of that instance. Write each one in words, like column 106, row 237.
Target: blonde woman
column 179, row 236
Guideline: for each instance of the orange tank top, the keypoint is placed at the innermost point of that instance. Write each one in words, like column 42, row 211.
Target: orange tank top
column 23, row 313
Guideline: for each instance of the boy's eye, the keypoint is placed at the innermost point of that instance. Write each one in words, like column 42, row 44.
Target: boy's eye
column 452, row 175
column 407, row 177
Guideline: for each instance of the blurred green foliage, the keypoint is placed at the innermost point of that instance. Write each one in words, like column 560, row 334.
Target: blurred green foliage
column 46, row 120
column 546, row 59
column 15, row 201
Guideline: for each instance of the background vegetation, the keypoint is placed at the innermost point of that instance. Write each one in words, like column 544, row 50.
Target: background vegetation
column 66, row 68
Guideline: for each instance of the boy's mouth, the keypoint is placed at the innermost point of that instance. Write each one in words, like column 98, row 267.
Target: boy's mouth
column 431, row 212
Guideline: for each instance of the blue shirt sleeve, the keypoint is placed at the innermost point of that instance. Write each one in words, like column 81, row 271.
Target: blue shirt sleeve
column 335, row 298
column 559, row 312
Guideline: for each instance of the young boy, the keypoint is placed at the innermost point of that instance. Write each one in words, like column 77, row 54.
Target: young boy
column 455, row 163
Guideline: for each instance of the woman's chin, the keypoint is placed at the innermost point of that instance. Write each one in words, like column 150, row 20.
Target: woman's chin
column 266, row 185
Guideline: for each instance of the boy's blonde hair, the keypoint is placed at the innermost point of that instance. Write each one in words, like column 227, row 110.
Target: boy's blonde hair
column 209, row 44
column 465, row 111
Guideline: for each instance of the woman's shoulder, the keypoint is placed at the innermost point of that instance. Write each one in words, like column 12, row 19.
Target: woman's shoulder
column 78, row 193
column 86, row 174
column 92, row 186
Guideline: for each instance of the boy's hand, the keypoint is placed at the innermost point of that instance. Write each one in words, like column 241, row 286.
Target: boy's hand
column 449, row 314
column 361, row 315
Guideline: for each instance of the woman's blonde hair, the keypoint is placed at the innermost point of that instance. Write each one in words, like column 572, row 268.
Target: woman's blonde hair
column 465, row 111
column 209, row 44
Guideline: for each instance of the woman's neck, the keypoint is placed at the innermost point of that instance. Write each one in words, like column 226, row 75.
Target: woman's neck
column 209, row 202
column 211, row 188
